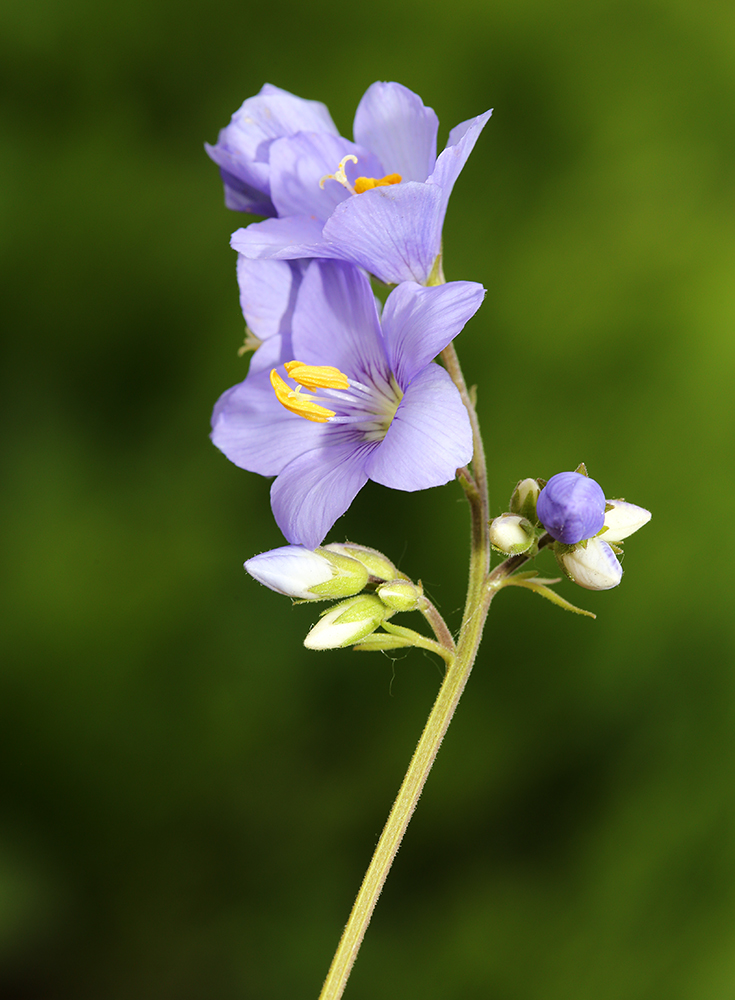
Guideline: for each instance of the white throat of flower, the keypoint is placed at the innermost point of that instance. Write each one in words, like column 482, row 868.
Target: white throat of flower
column 366, row 408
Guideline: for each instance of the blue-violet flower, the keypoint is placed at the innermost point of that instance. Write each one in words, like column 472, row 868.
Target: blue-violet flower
column 376, row 406
column 571, row 507
column 378, row 202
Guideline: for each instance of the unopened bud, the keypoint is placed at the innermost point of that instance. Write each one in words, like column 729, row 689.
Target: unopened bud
column 592, row 564
column 305, row 575
column 511, row 534
column 523, row 500
column 347, row 622
column 400, row 595
column 374, row 562
column 622, row 519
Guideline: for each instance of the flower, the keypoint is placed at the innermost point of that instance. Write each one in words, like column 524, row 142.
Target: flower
column 594, row 566
column 378, row 407
column 571, row 507
column 308, row 576
column 378, row 202
column 347, row 622
column 268, row 291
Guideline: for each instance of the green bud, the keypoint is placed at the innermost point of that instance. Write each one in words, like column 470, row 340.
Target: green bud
column 347, row 622
column 400, row 595
column 377, row 565
column 511, row 534
column 523, row 500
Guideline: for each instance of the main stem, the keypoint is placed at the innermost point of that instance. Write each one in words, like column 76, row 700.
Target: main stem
column 480, row 591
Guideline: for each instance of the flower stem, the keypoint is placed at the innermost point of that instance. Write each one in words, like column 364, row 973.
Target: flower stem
column 481, row 589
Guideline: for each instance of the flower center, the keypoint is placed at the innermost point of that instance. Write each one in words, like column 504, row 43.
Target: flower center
column 361, row 183
column 368, row 409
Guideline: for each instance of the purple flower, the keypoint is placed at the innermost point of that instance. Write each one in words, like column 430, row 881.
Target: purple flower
column 376, row 406
column 571, row 507
column 378, row 202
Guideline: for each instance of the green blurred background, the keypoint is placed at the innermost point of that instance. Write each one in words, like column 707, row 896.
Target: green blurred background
column 189, row 798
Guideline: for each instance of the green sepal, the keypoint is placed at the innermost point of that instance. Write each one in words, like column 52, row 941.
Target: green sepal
column 582, row 470
column 378, row 566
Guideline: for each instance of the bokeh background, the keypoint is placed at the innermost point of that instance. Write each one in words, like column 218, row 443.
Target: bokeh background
column 189, row 798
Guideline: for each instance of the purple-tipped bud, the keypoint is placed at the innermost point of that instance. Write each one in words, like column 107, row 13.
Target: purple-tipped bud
column 571, row 507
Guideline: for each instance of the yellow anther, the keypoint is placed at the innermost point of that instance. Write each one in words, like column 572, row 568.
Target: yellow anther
column 366, row 183
column 317, row 376
column 298, row 403
column 339, row 174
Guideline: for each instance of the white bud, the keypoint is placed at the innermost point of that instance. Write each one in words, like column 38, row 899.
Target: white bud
column 308, row 576
column 511, row 534
column 524, row 499
column 347, row 622
column 593, row 565
column 623, row 520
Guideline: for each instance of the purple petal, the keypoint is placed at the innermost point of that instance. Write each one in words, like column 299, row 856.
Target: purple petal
column 271, row 114
column 419, row 322
column 336, row 322
column 430, row 436
column 571, row 507
column 299, row 162
column 394, row 232
column 267, row 296
column 393, row 122
column 255, row 432
column 449, row 165
column 239, row 195
column 316, row 488
column 293, row 238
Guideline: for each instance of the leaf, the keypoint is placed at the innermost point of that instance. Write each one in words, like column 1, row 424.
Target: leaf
column 537, row 586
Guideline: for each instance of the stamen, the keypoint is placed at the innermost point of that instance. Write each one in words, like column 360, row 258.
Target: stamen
column 339, row 174
column 317, row 376
column 367, row 183
column 298, row 403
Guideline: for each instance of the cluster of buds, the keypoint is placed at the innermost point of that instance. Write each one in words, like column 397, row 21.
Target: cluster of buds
column 586, row 528
column 370, row 588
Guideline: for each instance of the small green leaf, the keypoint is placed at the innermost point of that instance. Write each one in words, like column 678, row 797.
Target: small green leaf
column 538, row 587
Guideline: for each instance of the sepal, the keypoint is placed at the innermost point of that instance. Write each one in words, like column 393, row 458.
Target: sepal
column 378, row 566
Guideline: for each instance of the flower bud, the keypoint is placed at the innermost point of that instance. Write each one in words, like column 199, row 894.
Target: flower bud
column 622, row 519
column 308, row 576
column 593, row 566
column 523, row 500
column 347, row 622
column 375, row 562
column 511, row 534
column 400, row 595
column 571, row 507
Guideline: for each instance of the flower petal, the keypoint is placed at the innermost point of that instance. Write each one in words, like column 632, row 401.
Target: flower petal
column 594, row 567
column 299, row 162
column 623, row 520
column 419, row 322
column 316, row 488
column 267, row 296
column 291, row 570
column 394, row 232
column 430, row 436
column 394, row 123
column 293, row 238
column 449, row 165
column 336, row 322
column 255, row 432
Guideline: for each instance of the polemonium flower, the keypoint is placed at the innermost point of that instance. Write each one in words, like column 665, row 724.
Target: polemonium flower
column 308, row 576
column 375, row 406
column 378, row 202
column 593, row 566
column 571, row 507
column 268, row 290
column 622, row 519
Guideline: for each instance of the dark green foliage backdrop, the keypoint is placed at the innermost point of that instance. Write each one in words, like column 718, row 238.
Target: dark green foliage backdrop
column 189, row 798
